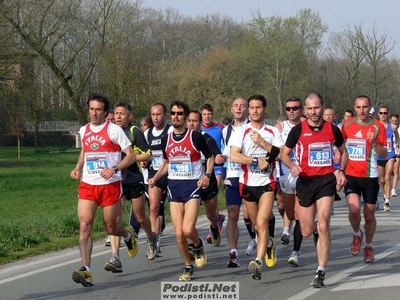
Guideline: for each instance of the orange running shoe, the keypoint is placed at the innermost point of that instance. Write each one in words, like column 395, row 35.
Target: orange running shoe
column 356, row 244
column 369, row 255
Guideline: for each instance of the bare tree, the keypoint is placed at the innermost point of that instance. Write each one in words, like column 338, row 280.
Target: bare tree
column 284, row 46
column 69, row 36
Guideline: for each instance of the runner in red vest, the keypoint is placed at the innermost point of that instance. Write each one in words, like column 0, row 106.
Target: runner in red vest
column 312, row 141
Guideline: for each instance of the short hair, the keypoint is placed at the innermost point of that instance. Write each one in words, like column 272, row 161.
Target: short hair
column 162, row 105
column 394, row 115
column 125, row 105
column 207, row 107
column 349, row 111
column 258, row 97
column 366, row 97
column 181, row 104
column 195, row 111
column 384, row 106
column 293, row 99
column 313, row 95
column 100, row 98
column 148, row 121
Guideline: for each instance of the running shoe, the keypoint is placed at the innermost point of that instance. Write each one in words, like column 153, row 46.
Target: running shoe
column 187, row 273
column 215, row 237
column 200, row 255
column 270, row 256
column 386, row 206
column 131, row 245
column 191, row 251
column 209, row 237
column 83, row 277
column 152, row 247
column 107, row 241
column 114, row 265
column 318, row 280
column 369, row 254
column 356, row 244
column 362, row 201
column 233, row 260
column 377, row 205
column 251, row 247
column 255, row 267
column 159, row 253
column 294, row 258
column 393, row 193
column 285, row 239
column 221, row 220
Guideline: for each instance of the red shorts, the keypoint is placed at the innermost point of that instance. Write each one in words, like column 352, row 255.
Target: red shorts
column 104, row 195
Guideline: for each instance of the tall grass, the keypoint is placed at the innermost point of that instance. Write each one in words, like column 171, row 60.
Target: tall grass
column 39, row 203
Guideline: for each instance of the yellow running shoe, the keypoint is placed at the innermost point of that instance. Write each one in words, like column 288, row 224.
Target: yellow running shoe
column 270, row 256
column 187, row 273
column 200, row 255
column 131, row 245
column 83, row 277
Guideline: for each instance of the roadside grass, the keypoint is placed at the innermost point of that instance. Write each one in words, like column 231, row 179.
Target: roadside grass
column 39, row 203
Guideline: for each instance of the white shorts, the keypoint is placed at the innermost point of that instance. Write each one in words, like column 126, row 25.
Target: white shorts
column 288, row 183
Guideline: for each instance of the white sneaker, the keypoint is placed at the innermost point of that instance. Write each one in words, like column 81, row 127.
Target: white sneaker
column 294, row 258
column 107, row 241
column 251, row 247
column 393, row 193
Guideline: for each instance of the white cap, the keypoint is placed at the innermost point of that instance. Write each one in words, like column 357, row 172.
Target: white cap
column 372, row 111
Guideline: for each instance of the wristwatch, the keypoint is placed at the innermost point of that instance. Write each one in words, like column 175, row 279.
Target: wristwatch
column 208, row 175
column 115, row 168
column 254, row 161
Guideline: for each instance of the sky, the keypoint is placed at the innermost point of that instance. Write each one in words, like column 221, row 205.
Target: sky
column 382, row 15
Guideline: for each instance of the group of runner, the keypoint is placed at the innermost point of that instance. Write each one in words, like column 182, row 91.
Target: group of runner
column 293, row 162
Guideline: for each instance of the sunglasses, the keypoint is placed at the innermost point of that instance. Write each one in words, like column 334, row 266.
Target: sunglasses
column 179, row 113
column 294, row 108
column 383, row 113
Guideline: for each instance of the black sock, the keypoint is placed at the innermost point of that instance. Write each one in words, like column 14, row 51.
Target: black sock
column 297, row 236
column 250, row 228
column 271, row 227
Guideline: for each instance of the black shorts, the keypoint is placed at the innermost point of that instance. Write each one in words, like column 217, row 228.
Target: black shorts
column 161, row 182
column 133, row 190
column 253, row 193
column 382, row 163
column 212, row 189
column 310, row 189
column 368, row 188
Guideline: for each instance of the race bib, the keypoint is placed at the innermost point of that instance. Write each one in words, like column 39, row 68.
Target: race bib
column 357, row 149
column 180, row 166
column 157, row 159
column 320, row 154
column 95, row 162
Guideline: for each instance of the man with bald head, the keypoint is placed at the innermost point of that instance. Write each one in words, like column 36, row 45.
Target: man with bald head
column 316, row 184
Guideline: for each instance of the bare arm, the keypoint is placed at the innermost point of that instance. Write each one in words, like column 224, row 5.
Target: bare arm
column 76, row 172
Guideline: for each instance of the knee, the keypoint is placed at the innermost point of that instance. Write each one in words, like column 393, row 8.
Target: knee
column 85, row 226
column 369, row 218
column 110, row 228
column 154, row 208
column 233, row 213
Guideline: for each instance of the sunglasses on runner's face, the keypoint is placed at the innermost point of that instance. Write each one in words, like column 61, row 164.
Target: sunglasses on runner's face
column 294, row 108
column 383, row 113
column 179, row 113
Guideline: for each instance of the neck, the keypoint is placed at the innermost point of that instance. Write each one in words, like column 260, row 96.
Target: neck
column 179, row 130
column 238, row 122
column 160, row 126
column 315, row 124
column 258, row 124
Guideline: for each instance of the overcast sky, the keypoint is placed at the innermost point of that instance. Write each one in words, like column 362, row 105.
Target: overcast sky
column 384, row 15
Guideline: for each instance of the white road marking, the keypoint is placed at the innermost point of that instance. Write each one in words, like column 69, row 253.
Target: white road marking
column 311, row 291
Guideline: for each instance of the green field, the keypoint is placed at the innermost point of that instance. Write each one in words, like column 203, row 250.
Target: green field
column 39, row 203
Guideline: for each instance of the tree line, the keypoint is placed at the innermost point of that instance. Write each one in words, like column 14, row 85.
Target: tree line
column 54, row 53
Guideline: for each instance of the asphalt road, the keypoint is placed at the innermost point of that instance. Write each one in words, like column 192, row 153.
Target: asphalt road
column 347, row 277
